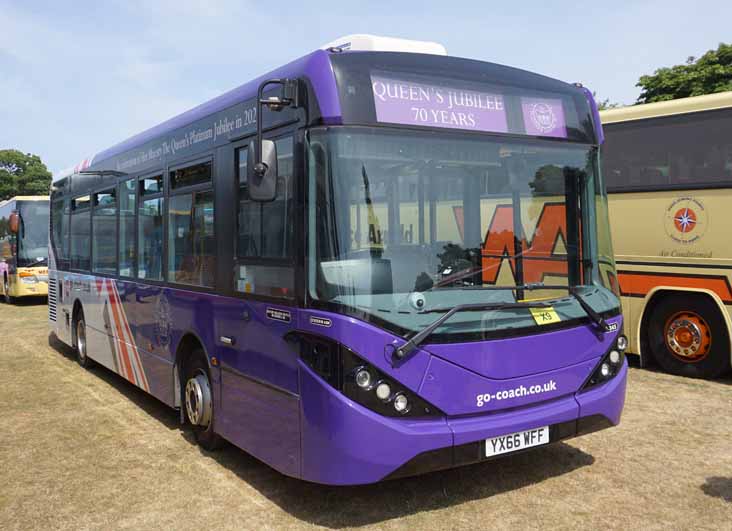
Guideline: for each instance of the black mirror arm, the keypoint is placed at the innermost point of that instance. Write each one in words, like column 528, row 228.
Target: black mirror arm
column 289, row 98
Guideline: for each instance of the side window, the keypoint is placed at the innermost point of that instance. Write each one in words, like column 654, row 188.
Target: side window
column 684, row 151
column 150, row 228
column 191, row 242
column 127, row 228
column 80, row 233
column 60, row 231
column 265, row 231
column 104, row 232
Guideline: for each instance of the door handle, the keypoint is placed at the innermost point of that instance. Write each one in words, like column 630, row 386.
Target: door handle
column 226, row 340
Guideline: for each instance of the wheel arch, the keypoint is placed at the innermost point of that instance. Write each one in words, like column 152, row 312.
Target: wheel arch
column 188, row 342
column 75, row 308
column 654, row 296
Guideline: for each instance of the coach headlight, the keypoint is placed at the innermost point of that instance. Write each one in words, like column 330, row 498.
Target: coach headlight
column 27, row 278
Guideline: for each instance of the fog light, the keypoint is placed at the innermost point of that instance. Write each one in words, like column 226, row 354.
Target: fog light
column 401, row 403
column 622, row 342
column 363, row 378
column 614, row 357
column 605, row 370
column 383, row 391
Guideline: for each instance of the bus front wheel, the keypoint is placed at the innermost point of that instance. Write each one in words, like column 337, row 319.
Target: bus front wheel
column 198, row 401
column 688, row 337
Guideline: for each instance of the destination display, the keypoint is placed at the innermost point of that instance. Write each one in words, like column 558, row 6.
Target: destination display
column 413, row 103
column 456, row 106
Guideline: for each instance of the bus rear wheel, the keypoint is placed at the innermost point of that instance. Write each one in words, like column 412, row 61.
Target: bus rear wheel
column 688, row 337
column 80, row 343
column 198, row 401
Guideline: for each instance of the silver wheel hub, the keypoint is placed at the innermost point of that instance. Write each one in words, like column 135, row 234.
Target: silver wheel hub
column 198, row 400
column 81, row 339
column 694, row 334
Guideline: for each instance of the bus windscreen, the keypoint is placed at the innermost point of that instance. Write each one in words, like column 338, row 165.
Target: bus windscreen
column 33, row 240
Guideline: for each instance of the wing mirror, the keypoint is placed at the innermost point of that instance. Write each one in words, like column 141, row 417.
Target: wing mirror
column 14, row 223
column 262, row 175
column 262, row 154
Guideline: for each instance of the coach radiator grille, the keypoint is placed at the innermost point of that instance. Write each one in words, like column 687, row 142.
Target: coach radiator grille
column 52, row 301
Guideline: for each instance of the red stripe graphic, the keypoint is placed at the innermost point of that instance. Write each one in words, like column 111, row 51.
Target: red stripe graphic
column 136, row 362
column 126, row 366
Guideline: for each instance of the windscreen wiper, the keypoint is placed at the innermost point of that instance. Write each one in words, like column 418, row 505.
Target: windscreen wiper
column 595, row 317
column 407, row 348
column 589, row 310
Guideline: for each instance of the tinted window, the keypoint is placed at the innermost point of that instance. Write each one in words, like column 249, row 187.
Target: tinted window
column 265, row 229
column 80, row 202
column 198, row 174
column 191, row 244
column 80, row 239
column 150, row 238
column 104, row 233
column 151, row 185
column 127, row 228
column 59, row 233
column 684, row 151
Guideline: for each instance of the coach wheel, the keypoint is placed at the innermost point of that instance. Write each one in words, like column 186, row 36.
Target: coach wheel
column 80, row 344
column 6, row 291
column 688, row 336
column 198, row 400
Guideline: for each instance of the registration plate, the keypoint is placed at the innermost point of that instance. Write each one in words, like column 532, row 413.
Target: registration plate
column 512, row 442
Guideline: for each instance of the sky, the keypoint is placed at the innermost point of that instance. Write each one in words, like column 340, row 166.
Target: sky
column 79, row 76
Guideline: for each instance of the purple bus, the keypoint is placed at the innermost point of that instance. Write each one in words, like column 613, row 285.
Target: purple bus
column 361, row 266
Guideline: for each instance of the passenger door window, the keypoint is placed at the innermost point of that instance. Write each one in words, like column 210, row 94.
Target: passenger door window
column 265, row 231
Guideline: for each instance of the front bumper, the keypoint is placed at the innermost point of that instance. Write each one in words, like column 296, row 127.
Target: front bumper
column 345, row 444
column 36, row 289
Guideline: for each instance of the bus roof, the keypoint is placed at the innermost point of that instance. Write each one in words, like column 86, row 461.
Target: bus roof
column 24, row 198
column 318, row 68
column 709, row 102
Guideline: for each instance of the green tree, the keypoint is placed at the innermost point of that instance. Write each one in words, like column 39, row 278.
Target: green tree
column 604, row 104
column 22, row 174
column 710, row 73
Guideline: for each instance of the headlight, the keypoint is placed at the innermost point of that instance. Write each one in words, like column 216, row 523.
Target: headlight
column 360, row 381
column 609, row 365
column 622, row 342
column 28, row 278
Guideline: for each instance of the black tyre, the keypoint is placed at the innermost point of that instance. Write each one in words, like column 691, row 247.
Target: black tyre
column 688, row 336
column 6, row 291
column 80, row 344
column 198, row 401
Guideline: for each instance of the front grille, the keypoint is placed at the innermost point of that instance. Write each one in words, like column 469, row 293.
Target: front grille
column 52, row 301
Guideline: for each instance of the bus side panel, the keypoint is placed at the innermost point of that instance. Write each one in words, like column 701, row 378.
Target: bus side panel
column 152, row 331
column 260, row 403
column 654, row 249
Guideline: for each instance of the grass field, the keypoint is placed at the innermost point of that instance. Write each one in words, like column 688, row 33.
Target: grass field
column 85, row 449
